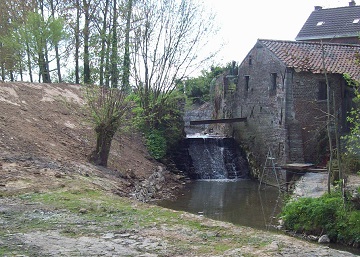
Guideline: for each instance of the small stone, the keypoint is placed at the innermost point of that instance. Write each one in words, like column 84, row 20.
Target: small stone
column 58, row 175
column 123, row 235
column 83, row 211
column 108, row 236
column 324, row 239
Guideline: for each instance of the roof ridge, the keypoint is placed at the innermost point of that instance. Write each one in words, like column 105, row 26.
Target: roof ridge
column 340, row 7
column 310, row 42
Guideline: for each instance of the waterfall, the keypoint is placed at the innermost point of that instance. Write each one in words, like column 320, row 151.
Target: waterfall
column 216, row 158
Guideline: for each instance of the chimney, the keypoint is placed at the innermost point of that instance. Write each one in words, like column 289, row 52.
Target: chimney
column 318, row 8
column 352, row 3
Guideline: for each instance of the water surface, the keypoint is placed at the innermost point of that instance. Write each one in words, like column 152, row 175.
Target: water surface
column 236, row 201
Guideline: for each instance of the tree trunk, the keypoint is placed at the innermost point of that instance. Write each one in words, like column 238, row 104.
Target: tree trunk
column 105, row 134
column 87, row 79
column 21, row 68
column 43, row 68
column 46, row 66
column 337, row 142
column 103, row 44
column 57, row 56
column 114, row 53
column 77, row 43
column 328, row 117
column 107, row 64
column 126, row 63
column 2, row 72
column 44, row 53
column 29, row 61
column 58, row 67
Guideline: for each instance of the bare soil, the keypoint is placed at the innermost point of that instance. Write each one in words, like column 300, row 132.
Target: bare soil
column 45, row 140
column 46, row 136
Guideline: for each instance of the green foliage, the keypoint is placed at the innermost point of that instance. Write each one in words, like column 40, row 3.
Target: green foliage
column 40, row 33
column 10, row 51
column 351, row 163
column 197, row 89
column 349, row 229
column 324, row 215
column 156, row 144
column 163, row 125
column 353, row 139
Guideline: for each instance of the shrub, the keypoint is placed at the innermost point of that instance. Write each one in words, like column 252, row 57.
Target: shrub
column 312, row 215
column 156, row 144
column 324, row 215
column 349, row 228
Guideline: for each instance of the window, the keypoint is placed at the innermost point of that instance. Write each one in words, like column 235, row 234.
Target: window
column 247, row 79
column 322, row 90
column 250, row 60
column 320, row 23
column 356, row 21
column 273, row 80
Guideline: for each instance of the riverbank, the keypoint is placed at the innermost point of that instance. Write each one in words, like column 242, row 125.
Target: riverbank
column 87, row 222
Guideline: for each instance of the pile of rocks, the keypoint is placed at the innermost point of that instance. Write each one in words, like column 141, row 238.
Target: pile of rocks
column 150, row 187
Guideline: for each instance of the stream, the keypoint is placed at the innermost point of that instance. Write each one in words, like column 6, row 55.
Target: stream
column 220, row 188
column 237, row 201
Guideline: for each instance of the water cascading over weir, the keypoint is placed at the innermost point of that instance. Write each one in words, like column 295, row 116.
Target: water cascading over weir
column 207, row 156
column 213, row 157
column 216, row 158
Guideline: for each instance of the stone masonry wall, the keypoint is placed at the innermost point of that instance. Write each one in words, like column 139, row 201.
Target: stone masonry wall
column 311, row 112
column 283, row 114
column 263, row 104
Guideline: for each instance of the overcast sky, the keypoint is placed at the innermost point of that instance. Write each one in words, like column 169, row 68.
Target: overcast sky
column 243, row 22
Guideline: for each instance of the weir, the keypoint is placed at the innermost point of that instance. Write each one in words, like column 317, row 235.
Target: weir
column 214, row 158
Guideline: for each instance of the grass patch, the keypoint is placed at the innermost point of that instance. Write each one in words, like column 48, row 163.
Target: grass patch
column 113, row 212
column 85, row 212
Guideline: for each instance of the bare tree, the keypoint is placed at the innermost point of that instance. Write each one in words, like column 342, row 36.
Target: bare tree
column 169, row 36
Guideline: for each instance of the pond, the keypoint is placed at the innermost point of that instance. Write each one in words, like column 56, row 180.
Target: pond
column 236, row 201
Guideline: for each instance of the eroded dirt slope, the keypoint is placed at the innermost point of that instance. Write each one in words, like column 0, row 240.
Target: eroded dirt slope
column 46, row 136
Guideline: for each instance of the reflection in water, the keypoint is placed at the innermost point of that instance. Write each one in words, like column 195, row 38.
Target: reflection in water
column 236, row 201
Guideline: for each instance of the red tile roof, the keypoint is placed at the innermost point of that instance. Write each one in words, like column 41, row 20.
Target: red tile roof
column 307, row 56
column 335, row 22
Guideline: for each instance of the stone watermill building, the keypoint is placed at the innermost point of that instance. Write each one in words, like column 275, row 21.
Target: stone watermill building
column 280, row 87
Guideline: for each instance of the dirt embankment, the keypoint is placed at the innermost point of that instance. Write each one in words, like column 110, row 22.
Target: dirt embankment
column 46, row 136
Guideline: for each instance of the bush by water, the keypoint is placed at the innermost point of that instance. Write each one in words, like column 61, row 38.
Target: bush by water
column 329, row 214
